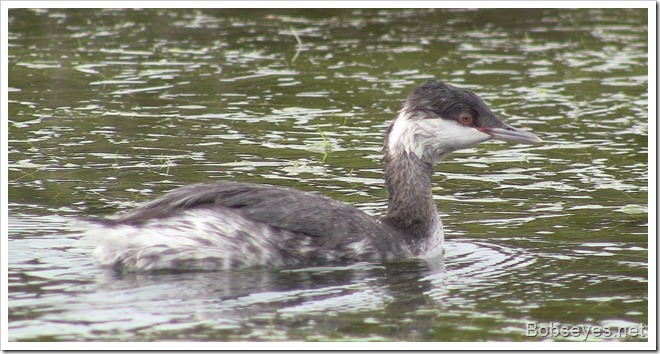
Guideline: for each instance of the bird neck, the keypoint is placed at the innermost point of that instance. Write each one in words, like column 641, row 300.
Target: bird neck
column 410, row 200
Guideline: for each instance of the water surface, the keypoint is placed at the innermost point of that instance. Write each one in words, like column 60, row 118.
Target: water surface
column 110, row 108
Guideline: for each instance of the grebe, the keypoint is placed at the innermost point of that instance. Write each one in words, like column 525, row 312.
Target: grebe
column 231, row 225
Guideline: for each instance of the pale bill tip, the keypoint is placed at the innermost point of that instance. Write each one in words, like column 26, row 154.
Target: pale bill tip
column 513, row 135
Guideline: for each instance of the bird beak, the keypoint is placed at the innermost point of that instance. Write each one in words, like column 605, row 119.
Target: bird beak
column 511, row 135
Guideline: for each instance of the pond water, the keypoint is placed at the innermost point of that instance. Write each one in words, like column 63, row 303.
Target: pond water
column 111, row 108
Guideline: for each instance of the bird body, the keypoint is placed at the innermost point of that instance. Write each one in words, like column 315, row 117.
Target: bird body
column 230, row 225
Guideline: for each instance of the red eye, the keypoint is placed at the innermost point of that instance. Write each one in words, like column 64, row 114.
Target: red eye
column 466, row 119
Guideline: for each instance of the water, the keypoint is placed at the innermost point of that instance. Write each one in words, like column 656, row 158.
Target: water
column 110, row 108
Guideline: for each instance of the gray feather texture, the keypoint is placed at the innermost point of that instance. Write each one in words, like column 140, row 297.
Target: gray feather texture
column 230, row 225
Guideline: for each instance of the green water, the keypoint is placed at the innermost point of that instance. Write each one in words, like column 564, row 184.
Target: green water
column 110, row 108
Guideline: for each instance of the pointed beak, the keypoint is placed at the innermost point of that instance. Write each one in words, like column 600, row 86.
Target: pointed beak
column 511, row 135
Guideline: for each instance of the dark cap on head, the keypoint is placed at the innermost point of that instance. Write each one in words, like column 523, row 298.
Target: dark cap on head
column 437, row 99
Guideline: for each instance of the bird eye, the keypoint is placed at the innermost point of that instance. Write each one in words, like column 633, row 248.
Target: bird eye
column 466, row 119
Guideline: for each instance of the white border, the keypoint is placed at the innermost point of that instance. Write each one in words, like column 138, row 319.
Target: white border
column 328, row 4
column 653, row 178
column 4, row 200
column 650, row 345
column 326, row 346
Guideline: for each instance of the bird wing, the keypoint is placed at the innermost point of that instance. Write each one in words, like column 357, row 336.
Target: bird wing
column 285, row 208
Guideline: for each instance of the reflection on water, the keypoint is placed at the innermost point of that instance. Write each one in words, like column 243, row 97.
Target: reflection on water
column 109, row 108
column 59, row 292
column 85, row 301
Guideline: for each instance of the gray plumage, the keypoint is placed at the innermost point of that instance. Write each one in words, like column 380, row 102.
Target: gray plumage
column 231, row 225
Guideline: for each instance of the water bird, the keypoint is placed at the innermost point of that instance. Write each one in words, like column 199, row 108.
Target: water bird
column 231, row 225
